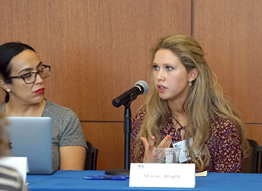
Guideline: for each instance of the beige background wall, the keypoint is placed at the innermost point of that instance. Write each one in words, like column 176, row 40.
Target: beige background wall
column 99, row 48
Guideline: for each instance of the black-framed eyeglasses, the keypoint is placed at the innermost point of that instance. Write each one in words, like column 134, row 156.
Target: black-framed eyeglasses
column 30, row 77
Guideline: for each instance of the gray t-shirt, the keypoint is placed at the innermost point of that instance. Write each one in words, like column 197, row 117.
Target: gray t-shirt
column 67, row 130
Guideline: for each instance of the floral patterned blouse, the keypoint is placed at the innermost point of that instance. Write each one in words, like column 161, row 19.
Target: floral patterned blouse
column 224, row 143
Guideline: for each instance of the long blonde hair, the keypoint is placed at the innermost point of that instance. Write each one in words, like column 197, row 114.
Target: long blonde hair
column 204, row 101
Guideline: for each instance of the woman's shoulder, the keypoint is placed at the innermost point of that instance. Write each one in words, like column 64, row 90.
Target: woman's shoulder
column 53, row 108
column 138, row 118
column 225, row 121
column 224, row 125
column 12, row 180
column 51, row 104
column 7, row 168
column 9, row 171
column 140, row 114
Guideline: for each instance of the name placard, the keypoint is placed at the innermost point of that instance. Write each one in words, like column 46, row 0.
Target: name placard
column 162, row 175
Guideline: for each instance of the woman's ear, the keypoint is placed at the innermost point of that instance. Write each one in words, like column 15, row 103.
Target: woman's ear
column 4, row 86
column 193, row 74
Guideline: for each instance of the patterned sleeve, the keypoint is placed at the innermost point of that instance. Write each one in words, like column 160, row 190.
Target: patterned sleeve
column 136, row 125
column 225, row 147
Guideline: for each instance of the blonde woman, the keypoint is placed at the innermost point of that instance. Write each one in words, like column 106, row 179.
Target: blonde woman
column 186, row 103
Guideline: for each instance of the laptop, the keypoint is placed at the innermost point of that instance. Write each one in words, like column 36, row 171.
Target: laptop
column 31, row 137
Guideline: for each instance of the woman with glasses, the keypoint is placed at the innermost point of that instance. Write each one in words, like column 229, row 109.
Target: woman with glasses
column 24, row 83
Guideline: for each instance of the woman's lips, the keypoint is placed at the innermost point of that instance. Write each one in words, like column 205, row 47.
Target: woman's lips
column 40, row 91
column 161, row 88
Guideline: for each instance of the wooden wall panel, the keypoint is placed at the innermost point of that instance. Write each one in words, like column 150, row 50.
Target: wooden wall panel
column 230, row 33
column 254, row 131
column 108, row 138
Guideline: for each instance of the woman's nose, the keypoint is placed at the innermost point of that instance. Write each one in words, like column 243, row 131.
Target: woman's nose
column 160, row 75
column 38, row 79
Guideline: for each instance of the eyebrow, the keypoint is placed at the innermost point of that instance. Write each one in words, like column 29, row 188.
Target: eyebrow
column 29, row 69
column 164, row 64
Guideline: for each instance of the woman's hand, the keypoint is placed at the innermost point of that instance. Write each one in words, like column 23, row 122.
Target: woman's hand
column 150, row 155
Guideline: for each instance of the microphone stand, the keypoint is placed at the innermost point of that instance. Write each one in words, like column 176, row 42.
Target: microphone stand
column 127, row 130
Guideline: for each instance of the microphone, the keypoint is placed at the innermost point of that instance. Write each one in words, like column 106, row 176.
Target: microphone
column 141, row 87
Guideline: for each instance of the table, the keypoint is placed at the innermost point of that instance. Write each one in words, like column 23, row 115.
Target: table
column 74, row 181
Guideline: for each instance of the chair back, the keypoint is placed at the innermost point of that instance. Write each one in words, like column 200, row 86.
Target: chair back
column 253, row 163
column 91, row 157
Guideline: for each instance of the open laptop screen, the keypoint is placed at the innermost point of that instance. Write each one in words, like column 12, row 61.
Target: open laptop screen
column 31, row 137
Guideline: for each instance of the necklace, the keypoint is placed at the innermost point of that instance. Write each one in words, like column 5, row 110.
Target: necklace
column 177, row 122
column 179, row 133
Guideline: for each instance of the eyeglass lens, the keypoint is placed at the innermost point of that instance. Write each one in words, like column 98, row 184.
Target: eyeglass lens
column 44, row 73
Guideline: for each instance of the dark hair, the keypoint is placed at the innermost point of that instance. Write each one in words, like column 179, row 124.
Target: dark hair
column 7, row 52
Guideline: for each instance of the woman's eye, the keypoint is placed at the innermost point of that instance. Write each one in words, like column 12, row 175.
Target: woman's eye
column 155, row 67
column 43, row 67
column 169, row 68
column 27, row 75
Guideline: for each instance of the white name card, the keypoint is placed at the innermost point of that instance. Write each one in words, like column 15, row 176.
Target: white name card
column 162, row 175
